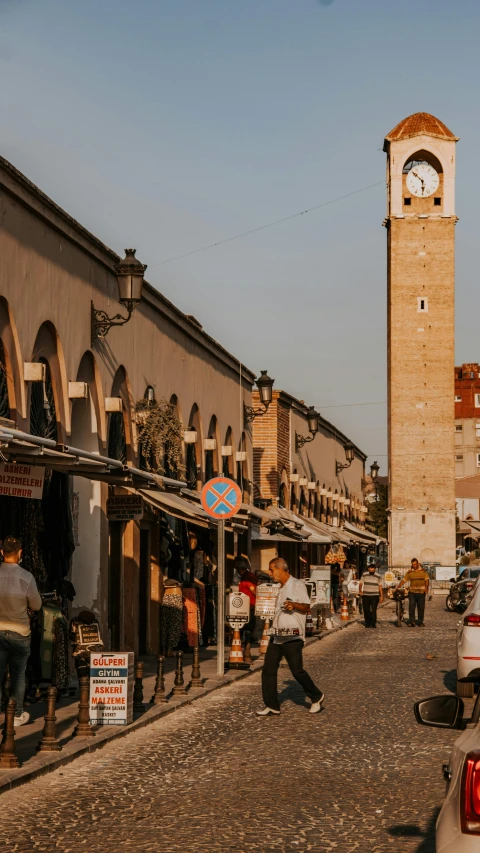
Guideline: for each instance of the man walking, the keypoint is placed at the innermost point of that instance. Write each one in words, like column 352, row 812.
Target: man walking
column 372, row 594
column 288, row 637
column 18, row 591
column 418, row 579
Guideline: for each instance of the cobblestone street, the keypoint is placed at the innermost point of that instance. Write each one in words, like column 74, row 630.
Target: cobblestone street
column 361, row 776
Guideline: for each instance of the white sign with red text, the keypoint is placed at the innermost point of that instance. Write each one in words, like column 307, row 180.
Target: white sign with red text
column 21, row 481
column 111, row 688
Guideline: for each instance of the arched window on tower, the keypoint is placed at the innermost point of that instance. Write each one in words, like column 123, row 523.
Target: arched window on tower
column 43, row 416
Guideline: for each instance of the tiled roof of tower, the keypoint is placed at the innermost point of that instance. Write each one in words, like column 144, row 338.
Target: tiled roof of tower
column 417, row 124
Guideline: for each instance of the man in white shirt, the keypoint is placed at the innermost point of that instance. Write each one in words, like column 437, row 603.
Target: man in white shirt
column 287, row 640
column 18, row 592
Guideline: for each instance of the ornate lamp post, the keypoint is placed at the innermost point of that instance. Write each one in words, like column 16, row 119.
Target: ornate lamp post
column 130, row 275
column 312, row 419
column 350, row 456
column 265, row 386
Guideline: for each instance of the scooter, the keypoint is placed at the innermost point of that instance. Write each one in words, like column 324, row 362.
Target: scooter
column 457, row 599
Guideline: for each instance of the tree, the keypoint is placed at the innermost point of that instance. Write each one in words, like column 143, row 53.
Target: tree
column 377, row 517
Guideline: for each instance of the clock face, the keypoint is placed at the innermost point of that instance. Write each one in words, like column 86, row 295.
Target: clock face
column 422, row 180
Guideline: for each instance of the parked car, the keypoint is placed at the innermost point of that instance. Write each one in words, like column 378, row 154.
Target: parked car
column 458, row 824
column 460, row 589
column 468, row 645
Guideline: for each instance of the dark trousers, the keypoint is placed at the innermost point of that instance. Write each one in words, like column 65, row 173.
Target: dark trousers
column 335, row 595
column 370, row 604
column 14, row 651
column 416, row 599
column 292, row 651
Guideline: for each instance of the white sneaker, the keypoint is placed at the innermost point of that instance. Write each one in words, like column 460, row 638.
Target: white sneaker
column 265, row 712
column 316, row 707
column 21, row 720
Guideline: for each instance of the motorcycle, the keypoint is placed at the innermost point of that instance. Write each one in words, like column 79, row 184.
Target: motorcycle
column 458, row 598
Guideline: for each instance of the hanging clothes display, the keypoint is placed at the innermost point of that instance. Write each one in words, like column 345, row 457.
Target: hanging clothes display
column 171, row 619
column 192, row 614
column 209, row 631
column 54, row 645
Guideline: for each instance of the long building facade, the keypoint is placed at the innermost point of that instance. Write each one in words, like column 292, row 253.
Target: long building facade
column 71, row 390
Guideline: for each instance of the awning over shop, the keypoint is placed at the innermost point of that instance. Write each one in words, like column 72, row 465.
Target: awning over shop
column 26, row 449
column 363, row 534
column 300, row 526
column 263, row 535
column 470, row 528
column 175, row 505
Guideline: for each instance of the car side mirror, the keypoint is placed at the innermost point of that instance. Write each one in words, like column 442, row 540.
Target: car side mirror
column 443, row 712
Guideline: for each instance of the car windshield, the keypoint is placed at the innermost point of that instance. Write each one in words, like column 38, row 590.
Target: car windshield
column 474, row 573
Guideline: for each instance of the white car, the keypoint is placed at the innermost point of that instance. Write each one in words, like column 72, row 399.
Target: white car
column 458, row 824
column 468, row 645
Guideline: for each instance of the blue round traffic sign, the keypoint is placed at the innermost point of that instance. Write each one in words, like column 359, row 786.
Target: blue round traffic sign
column 221, row 498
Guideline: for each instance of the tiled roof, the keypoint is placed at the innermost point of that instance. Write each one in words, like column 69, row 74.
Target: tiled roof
column 420, row 123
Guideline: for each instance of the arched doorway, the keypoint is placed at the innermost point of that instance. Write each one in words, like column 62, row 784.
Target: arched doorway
column 227, row 454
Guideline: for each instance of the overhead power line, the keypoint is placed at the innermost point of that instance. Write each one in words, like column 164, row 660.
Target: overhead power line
column 267, row 225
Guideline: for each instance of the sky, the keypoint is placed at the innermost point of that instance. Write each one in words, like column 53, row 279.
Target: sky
column 171, row 125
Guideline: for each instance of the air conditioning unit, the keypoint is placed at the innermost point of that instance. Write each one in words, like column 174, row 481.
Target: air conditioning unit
column 209, row 443
column 227, row 450
column 190, row 436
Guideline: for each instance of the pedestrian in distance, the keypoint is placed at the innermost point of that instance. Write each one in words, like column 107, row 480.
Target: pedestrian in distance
column 18, row 592
column 419, row 581
column 371, row 593
column 287, row 640
column 335, row 576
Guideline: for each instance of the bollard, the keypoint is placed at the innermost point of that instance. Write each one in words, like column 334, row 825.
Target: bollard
column 344, row 617
column 265, row 638
column 236, row 660
column 138, row 688
column 159, row 695
column 309, row 625
column 179, row 688
column 49, row 742
column 7, row 748
column 83, row 727
column 196, row 679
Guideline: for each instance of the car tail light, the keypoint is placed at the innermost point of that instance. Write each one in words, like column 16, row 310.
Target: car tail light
column 470, row 805
column 472, row 620
column 469, row 585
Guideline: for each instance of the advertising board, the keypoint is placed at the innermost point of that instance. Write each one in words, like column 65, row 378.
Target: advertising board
column 21, row 481
column 238, row 609
column 267, row 594
column 124, row 507
column 322, row 575
column 111, row 688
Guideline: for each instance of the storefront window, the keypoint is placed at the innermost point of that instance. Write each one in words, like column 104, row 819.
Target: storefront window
column 43, row 417
column 4, row 403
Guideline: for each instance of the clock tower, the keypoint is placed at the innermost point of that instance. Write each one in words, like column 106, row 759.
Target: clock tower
column 421, row 282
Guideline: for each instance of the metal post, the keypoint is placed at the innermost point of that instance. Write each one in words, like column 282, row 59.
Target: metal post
column 138, row 688
column 159, row 696
column 221, row 599
column 83, row 727
column 196, row 680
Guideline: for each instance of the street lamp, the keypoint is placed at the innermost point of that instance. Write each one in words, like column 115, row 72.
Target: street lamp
column 312, row 420
column 265, row 387
column 130, row 273
column 349, row 449
column 374, row 469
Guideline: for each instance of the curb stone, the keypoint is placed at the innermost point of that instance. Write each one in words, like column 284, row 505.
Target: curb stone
column 47, row 762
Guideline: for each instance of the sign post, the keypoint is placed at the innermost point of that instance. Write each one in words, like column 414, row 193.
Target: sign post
column 221, row 498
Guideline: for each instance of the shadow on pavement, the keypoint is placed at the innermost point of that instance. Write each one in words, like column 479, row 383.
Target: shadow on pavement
column 291, row 691
column 412, row 830
column 450, row 679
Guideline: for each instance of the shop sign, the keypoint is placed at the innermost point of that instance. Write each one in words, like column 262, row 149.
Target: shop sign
column 389, row 577
column 124, row 507
column 322, row 577
column 21, row 481
column 238, row 609
column 267, row 594
column 111, row 688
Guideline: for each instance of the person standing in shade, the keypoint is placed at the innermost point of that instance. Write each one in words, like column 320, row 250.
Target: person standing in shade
column 372, row 595
column 335, row 576
column 292, row 606
column 18, row 592
column 419, row 580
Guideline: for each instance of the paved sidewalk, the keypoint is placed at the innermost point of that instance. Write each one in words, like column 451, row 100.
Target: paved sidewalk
column 361, row 776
